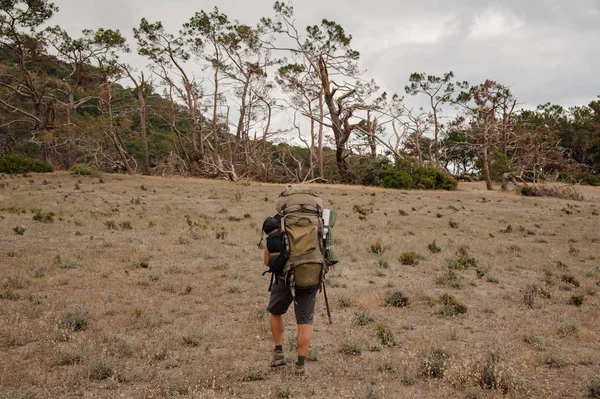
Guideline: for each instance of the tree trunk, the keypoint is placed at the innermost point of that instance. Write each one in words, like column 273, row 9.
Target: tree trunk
column 240, row 124
column 321, row 116
column 145, row 151
column 114, row 134
column 436, row 151
column 486, row 159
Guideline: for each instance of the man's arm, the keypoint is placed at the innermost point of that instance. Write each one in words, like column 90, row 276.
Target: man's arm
column 266, row 257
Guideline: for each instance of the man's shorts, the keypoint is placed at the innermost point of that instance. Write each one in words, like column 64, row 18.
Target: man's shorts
column 281, row 298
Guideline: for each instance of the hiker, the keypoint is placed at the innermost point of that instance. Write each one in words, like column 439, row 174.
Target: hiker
column 304, row 307
column 296, row 256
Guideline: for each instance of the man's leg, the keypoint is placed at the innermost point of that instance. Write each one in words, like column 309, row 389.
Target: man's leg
column 277, row 328
column 279, row 302
column 303, row 340
column 304, row 309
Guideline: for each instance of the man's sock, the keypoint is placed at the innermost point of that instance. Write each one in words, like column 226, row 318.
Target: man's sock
column 278, row 348
column 301, row 360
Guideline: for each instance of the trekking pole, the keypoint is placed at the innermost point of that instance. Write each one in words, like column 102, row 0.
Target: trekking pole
column 327, row 303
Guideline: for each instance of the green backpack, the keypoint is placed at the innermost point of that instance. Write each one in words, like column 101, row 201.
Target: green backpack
column 301, row 211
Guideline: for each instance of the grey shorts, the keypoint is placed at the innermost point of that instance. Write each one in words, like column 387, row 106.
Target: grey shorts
column 281, row 298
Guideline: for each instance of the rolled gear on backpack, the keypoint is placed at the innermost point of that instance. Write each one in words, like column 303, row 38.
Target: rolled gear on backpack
column 331, row 255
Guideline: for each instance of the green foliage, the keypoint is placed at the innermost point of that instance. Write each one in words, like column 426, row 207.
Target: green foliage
column 433, row 247
column 363, row 318
column 20, row 230
column 464, row 261
column 15, row 163
column 588, row 179
column 570, row 279
column 396, row 299
column 372, row 172
column 44, row 217
column 500, row 164
column 385, row 335
column 451, row 306
column 377, row 248
column 577, row 300
column 84, row 170
column 411, row 258
column 407, row 176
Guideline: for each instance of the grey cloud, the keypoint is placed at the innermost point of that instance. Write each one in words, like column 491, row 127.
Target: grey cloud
column 551, row 56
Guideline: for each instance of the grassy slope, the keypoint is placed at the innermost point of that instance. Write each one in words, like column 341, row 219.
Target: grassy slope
column 193, row 321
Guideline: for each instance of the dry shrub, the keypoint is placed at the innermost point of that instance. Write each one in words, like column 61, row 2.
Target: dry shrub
column 434, row 365
column 495, row 374
column 76, row 317
column 546, row 190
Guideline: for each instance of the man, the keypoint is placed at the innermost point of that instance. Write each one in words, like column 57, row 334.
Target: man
column 304, row 307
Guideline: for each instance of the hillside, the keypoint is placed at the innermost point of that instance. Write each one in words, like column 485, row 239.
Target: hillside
column 130, row 286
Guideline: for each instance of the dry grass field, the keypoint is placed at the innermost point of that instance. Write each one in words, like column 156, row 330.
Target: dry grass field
column 139, row 287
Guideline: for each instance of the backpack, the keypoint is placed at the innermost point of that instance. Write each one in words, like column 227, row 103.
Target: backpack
column 301, row 211
column 300, row 240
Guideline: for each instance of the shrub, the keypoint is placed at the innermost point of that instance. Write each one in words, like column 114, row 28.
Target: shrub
column 451, row 306
column 450, row 279
column 253, row 374
column 76, row 317
column 85, row 170
column 577, row 300
column 345, row 301
column 44, row 217
column 540, row 190
column 100, row 370
column 570, row 279
column 464, row 261
column 588, row 178
column 377, row 248
column 363, row 318
column 351, row 348
column 530, row 292
column 396, row 299
column 126, row 225
column 433, row 248
column 594, row 388
column 111, row 225
column 494, row 375
column 15, row 163
column 20, row 230
column 411, row 258
column 406, row 176
column 434, row 365
column 385, row 335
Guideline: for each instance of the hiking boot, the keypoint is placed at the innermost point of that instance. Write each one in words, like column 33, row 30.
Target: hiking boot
column 299, row 371
column 278, row 360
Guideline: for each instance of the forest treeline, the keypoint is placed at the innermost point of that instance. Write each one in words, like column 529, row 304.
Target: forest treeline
column 220, row 98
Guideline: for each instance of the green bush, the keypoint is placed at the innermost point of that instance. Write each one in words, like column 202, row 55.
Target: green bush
column 451, row 306
column 84, row 170
column 374, row 171
column 399, row 179
column 588, row 179
column 500, row 165
column 396, row 299
column 407, row 176
column 411, row 258
column 15, row 163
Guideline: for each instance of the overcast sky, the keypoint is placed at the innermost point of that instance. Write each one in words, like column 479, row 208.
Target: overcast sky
column 545, row 50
